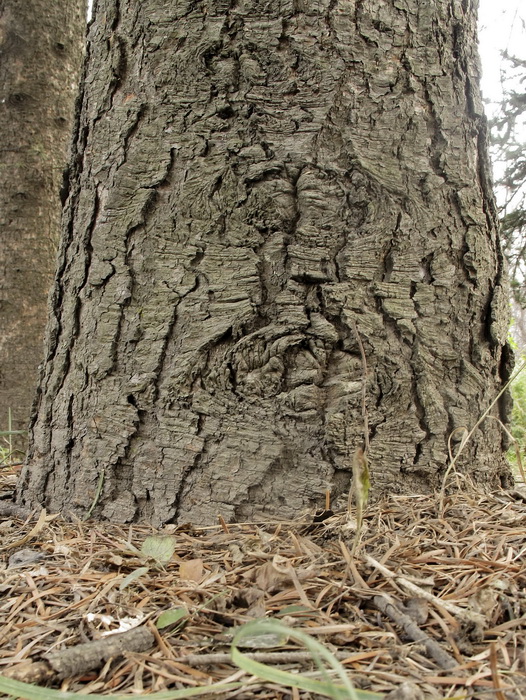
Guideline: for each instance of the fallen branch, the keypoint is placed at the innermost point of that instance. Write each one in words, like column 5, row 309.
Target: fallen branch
column 466, row 615
column 264, row 657
column 386, row 604
column 77, row 660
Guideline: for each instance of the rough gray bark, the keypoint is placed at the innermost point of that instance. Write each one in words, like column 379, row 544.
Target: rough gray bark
column 41, row 45
column 256, row 183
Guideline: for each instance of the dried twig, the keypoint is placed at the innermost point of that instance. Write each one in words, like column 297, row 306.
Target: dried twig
column 385, row 604
column 422, row 593
column 81, row 658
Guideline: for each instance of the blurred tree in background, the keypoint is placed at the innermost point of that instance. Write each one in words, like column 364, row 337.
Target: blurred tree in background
column 508, row 150
column 41, row 48
column 508, row 131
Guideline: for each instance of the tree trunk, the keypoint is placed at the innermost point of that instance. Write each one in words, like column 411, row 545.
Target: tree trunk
column 260, row 189
column 41, row 45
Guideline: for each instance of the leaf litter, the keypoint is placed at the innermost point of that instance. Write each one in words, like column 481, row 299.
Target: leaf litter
column 431, row 604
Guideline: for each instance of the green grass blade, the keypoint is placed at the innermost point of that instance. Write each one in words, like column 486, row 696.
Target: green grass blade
column 345, row 691
column 27, row 691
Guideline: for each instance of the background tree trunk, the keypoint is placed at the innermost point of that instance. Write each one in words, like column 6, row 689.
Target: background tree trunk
column 258, row 187
column 41, row 45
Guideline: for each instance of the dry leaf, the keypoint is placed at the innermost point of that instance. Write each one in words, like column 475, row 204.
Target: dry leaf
column 269, row 579
column 417, row 609
column 191, row 570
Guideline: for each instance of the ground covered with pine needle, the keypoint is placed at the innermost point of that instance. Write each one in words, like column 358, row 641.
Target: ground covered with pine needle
column 431, row 604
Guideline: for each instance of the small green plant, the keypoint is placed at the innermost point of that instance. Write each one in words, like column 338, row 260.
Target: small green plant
column 5, row 454
column 466, row 434
column 518, row 422
column 7, row 450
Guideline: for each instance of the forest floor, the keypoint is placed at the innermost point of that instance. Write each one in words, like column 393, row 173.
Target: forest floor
column 431, row 604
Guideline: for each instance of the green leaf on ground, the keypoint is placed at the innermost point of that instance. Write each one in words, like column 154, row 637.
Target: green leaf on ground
column 160, row 548
column 169, row 617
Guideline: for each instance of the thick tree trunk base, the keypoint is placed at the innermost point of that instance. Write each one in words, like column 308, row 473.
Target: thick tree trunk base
column 259, row 190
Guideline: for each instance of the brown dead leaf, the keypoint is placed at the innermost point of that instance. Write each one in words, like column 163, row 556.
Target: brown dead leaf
column 269, row 579
column 279, row 573
column 247, row 597
column 191, row 570
column 417, row 609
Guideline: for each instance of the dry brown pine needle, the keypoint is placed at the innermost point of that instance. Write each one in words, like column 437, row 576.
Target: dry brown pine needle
column 436, row 599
